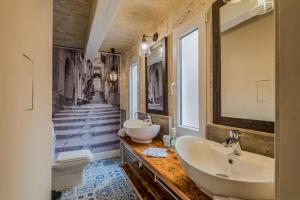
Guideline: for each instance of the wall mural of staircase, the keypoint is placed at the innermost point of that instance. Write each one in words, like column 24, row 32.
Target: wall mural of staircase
column 91, row 126
column 86, row 111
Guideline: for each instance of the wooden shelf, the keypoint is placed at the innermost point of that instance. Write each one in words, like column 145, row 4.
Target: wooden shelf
column 143, row 181
column 167, row 171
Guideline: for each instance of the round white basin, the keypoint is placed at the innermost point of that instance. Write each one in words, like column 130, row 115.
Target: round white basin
column 140, row 131
column 217, row 171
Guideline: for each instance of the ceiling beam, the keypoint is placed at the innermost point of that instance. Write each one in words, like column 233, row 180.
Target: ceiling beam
column 104, row 12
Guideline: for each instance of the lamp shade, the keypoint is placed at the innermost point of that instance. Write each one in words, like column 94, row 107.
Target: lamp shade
column 113, row 76
column 144, row 47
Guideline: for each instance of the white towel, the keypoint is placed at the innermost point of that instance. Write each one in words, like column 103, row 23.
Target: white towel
column 122, row 133
column 156, row 152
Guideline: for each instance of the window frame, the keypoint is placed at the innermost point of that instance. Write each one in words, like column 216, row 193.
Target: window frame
column 132, row 115
column 197, row 22
column 180, row 96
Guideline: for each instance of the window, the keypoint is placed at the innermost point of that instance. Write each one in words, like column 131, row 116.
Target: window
column 133, row 90
column 188, row 80
column 190, row 77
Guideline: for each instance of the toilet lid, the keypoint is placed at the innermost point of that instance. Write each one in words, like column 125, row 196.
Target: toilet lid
column 75, row 155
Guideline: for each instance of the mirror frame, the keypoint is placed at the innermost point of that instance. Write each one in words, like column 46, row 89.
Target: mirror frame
column 257, row 125
column 164, row 43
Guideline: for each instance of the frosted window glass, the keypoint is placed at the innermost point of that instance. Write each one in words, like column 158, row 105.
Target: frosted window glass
column 189, row 84
column 133, row 90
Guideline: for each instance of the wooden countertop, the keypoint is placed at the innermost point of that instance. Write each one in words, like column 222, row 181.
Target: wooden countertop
column 168, row 170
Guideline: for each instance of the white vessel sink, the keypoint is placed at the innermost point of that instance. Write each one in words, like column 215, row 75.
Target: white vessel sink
column 140, row 131
column 207, row 163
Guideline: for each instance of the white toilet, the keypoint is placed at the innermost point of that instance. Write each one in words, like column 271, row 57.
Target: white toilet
column 67, row 168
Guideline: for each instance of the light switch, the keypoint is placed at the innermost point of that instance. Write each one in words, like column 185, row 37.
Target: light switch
column 27, row 82
column 263, row 90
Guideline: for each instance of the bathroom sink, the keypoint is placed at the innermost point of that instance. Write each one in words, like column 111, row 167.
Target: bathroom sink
column 218, row 172
column 140, row 131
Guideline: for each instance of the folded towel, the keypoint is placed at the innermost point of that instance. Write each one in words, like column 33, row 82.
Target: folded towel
column 122, row 133
column 156, row 152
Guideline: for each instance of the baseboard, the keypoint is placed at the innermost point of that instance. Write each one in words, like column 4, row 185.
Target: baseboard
column 106, row 154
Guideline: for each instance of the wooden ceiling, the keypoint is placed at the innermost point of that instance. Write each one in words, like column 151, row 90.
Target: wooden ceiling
column 70, row 22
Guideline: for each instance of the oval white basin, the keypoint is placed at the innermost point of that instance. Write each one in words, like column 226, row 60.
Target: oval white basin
column 140, row 131
column 207, row 163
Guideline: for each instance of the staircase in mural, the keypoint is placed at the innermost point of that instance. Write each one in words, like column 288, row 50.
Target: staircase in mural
column 91, row 126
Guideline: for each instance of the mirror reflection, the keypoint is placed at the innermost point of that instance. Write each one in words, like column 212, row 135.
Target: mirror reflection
column 247, row 62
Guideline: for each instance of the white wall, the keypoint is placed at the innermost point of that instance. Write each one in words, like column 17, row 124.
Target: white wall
column 287, row 100
column 25, row 136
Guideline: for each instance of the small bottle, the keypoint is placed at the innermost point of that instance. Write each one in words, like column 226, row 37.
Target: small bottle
column 173, row 138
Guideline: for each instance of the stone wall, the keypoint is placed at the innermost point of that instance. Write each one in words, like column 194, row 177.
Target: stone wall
column 252, row 141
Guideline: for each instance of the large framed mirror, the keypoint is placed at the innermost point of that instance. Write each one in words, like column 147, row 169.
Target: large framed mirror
column 243, row 66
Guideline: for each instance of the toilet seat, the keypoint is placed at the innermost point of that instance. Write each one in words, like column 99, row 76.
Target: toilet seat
column 73, row 158
column 70, row 156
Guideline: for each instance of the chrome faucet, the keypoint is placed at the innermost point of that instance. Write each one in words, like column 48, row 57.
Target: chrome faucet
column 234, row 141
column 148, row 120
column 136, row 115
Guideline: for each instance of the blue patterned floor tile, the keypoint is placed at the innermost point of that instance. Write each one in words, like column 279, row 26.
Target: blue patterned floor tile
column 104, row 193
column 110, row 162
column 84, row 189
column 103, row 180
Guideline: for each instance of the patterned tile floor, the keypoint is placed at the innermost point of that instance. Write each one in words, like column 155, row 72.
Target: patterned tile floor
column 103, row 180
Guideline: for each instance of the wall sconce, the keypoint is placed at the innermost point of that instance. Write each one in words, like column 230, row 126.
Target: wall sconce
column 262, row 7
column 113, row 76
column 144, row 46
